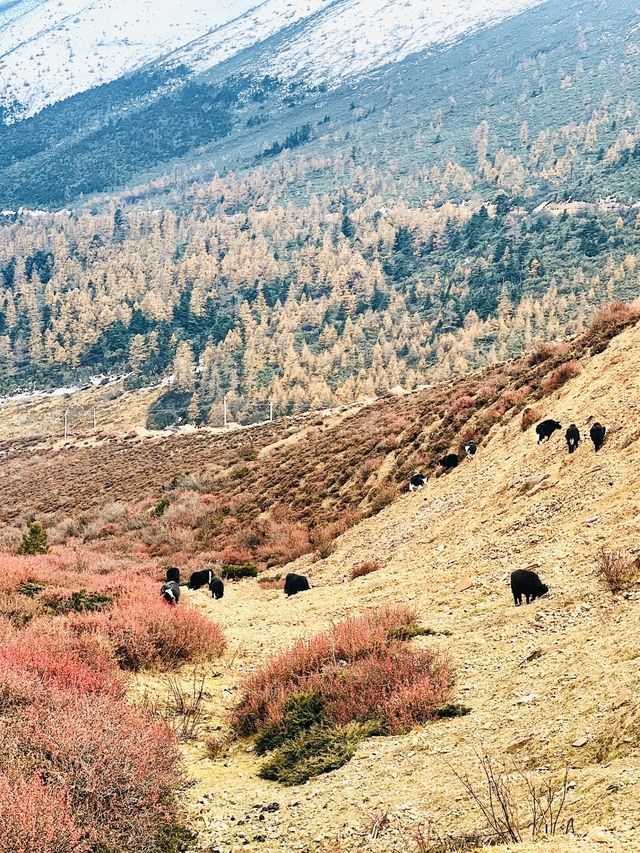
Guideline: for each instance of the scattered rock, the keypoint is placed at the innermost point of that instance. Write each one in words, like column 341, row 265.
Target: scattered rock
column 526, row 700
column 516, row 745
column 580, row 742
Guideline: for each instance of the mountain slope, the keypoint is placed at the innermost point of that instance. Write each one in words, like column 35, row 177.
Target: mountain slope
column 551, row 684
column 51, row 49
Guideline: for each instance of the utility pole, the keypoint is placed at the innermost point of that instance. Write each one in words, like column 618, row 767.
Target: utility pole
column 95, row 420
column 224, row 410
column 270, row 410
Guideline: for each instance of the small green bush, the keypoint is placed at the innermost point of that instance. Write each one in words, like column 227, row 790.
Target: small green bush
column 30, row 588
column 239, row 472
column 317, row 750
column 78, row 602
column 34, row 541
column 450, row 710
column 301, row 712
column 408, row 632
column 234, row 573
column 161, row 507
column 174, row 838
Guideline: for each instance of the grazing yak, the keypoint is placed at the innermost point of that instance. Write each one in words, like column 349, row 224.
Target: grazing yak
column 527, row 583
column 170, row 592
column 597, row 434
column 573, row 438
column 216, row 586
column 546, row 429
column 201, row 578
column 294, row 584
column 471, row 448
column 173, row 574
column 449, row 461
column 417, row 482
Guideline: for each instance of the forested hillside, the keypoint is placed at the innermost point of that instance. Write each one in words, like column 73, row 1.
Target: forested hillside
column 441, row 216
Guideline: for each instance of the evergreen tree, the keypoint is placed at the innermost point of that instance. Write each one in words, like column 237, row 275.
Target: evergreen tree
column 35, row 540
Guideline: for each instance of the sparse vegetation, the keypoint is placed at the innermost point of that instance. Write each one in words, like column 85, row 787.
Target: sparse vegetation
column 618, row 570
column 365, row 568
column 515, row 804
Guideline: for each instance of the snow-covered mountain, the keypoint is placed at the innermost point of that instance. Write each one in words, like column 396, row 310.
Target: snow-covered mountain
column 51, row 49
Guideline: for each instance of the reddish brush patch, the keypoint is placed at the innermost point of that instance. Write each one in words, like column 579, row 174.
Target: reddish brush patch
column 111, row 771
column 145, row 632
column 530, row 416
column 35, row 816
column 558, row 377
column 618, row 570
column 359, row 670
column 365, row 569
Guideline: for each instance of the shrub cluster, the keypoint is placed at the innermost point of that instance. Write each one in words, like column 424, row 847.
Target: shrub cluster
column 314, row 702
column 82, row 771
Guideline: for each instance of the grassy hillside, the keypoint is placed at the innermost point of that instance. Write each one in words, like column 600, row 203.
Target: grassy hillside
column 550, row 685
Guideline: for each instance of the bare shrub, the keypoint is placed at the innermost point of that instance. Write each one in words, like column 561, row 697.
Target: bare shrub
column 383, row 496
column 515, row 804
column 183, row 710
column 619, row 571
column 214, row 745
column 365, row 569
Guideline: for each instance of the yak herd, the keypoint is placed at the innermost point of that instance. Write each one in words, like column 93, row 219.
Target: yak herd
column 524, row 583
column 170, row 589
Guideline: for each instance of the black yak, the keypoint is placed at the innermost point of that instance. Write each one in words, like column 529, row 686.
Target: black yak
column 597, row 434
column 527, row 583
column 216, row 586
column 201, row 578
column 573, row 438
column 170, row 592
column 449, row 461
column 417, row 482
column 546, row 429
column 173, row 574
column 294, row 584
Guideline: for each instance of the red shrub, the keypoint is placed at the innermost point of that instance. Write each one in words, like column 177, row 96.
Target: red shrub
column 548, row 350
column 267, row 689
column 144, row 631
column 530, row 416
column 284, row 541
column 365, row 569
column 395, row 685
column 115, row 769
column 613, row 314
column 559, row 376
column 48, row 652
column 36, row 817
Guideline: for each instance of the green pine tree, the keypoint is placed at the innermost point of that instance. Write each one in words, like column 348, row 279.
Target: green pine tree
column 35, row 540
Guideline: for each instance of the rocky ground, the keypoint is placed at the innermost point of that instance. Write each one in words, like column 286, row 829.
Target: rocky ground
column 550, row 685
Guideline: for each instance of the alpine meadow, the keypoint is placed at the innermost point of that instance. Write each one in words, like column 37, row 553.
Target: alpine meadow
column 319, row 342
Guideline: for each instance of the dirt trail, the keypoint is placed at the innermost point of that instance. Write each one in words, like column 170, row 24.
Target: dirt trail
column 539, row 679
